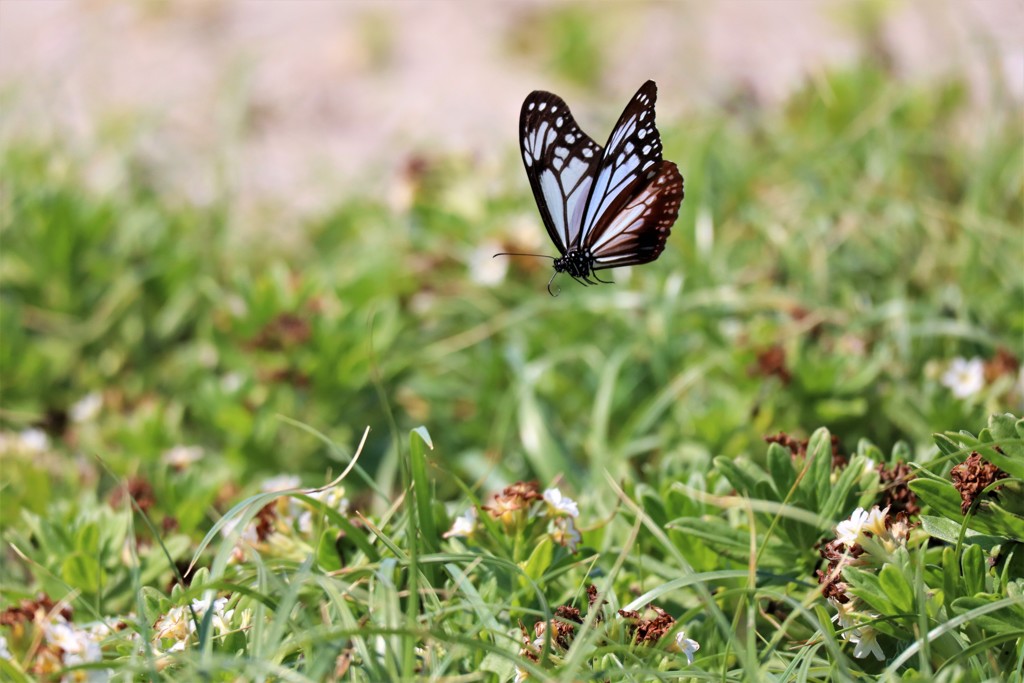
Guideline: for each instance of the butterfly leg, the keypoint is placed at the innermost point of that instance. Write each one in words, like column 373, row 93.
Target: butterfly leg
column 549, row 285
column 605, row 282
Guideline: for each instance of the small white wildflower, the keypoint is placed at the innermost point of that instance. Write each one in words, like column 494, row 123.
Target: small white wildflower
column 875, row 522
column 176, row 625
column 180, row 457
column 560, row 504
column 965, row 378
column 521, row 675
column 221, row 619
column 305, row 522
column 900, row 530
column 687, row 646
column 34, row 439
column 845, row 614
column 63, row 635
column 866, row 639
column 849, row 531
column 232, row 382
column 4, row 652
column 86, row 408
column 464, row 525
column 869, row 466
column 484, row 269
column 564, row 533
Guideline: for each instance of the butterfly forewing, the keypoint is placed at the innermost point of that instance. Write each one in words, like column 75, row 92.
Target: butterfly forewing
column 634, row 193
column 561, row 163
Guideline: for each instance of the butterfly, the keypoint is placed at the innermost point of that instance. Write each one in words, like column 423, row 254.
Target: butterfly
column 603, row 208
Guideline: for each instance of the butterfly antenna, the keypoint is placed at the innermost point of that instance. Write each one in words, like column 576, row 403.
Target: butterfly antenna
column 513, row 253
column 549, row 285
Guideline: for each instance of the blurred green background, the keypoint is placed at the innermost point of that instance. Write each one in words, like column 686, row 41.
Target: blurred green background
column 218, row 216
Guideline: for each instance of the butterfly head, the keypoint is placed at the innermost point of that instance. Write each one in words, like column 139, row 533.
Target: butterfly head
column 577, row 263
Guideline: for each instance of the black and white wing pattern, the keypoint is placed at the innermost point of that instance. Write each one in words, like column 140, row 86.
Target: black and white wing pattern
column 560, row 161
column 636, row 195
column 603, row 208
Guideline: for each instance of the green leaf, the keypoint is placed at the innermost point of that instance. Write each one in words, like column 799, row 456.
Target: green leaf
column 539, row 560
column 780, row 466
column 327, row 556
column 81, row 571
column 952, row 582
column 897, row 588
column 1006, row 620
column 941, row 496
column 1007, row 432
column 973, row 564
column 949, row 531
column 741, row 474
column 948, row 446
column 867, row 586
column 819, row 453
column 418, row 439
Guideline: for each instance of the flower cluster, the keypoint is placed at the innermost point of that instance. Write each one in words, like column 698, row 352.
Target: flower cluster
column 284, row 525
column 645, row 629
column 174, row 630
column 523, row 510
column 869, row 538
column 57, row 646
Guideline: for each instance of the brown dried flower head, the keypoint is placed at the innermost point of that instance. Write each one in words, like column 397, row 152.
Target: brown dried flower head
column 512, row 499
column 896, row 495
column 972, row 476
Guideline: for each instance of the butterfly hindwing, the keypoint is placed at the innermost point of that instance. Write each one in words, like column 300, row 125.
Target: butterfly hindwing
column 637, row 233
column 561, row 161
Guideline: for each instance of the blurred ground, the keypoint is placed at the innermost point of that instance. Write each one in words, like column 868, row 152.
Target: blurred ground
column 303, row 101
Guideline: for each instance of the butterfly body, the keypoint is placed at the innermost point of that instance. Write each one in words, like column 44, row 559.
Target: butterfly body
column 577, row 262
column 602, row 207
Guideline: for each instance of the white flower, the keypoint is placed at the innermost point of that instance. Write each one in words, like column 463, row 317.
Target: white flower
column 33, row 439
column 521, row 675
column 181, row 457
column 560, row 504
column 687, row 646
column 965, row 378
column 4, row 652
column 77, row 646
column 484, row 269
column 849, row 531
column 845, row 614
column 866, row 639
column 221, row 619
column 232, row 382
column 876, row 521
column 87, row 408
column 333, row 498
column 176, row 625
column 66, row 637
column 464, row 525
column 564, row 532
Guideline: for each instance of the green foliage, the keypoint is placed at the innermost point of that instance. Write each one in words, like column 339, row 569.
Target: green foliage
column 830, row 262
